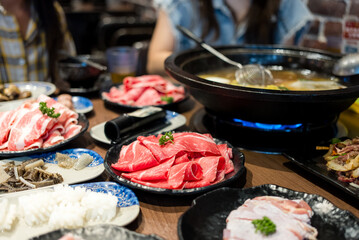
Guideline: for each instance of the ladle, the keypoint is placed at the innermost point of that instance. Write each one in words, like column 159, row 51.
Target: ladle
column 83, row 60
column 347, row 65
column 251, row 74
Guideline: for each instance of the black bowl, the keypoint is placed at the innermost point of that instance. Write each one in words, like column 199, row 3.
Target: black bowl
column 78, row 74
column 263, row 105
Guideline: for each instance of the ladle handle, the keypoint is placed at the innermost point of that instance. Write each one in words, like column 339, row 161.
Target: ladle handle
column 201, row 42
column 86, row 61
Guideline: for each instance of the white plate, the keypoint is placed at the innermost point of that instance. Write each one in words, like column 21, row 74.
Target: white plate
column 127, row 211
column 70, row 176
column 36, row 89
column 82, row 104
column 176, row 120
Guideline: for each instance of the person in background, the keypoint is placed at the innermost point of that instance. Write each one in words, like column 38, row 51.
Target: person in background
column 225, row 22
column 32, row 33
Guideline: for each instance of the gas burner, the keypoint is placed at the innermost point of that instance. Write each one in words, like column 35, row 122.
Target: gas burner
column 263, row 137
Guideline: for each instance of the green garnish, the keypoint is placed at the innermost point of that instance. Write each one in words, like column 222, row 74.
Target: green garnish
column 165, row 138
column 282, row 88
column 264, row 225
column 48, row 111
column 335, row 140
column 167, row 99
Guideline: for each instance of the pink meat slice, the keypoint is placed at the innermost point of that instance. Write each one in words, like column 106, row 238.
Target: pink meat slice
column 213, row 168
column 145, row 81
column 227, row 154
column 5, row 125
column 159, row 172
column 65, row 113
column 135, row 157
column 29, row 129
column 148, row 97
column 182, row 172
column 188, row 142
column 54, row 137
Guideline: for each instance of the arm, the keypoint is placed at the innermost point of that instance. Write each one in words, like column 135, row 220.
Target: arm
column 161, row 45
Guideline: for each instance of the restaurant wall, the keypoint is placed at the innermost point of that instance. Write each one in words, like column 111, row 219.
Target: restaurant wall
column 335, row 27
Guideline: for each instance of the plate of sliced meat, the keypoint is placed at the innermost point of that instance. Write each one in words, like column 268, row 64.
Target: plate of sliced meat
column 180, row 163
column 265, row 212
column 37, row 126
column 142, row 91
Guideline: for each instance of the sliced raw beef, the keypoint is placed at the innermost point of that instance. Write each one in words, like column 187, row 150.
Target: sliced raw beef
column 192, row 160
column 5, row 125
column 182, row 172
column 144, row 91
column 213, row 171
column 159, row 172
column 226, row 152
column 135, row 157
column 28, row 129
column 189, row 142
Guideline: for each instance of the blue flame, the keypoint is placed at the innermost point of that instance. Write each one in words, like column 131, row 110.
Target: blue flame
column 267, row 126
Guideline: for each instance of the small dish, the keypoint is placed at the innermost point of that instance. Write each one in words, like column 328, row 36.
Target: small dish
column 206, row 219
column 175, row 120
column 82, row 120
column 70, row 176
column 238, row 162
column 82, row 104
column 36, row 89
column 128, row 209
column 103, row 231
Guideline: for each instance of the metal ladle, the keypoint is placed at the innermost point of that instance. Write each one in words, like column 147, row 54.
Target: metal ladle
column 83, row 60
column 347, row 65
column 251, row 74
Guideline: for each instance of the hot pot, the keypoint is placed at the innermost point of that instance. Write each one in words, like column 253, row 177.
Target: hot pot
column 261, row 105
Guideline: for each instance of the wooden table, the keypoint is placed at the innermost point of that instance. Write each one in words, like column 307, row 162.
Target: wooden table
column 159, row 214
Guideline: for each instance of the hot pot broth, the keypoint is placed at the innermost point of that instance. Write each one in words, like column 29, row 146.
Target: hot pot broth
column 285, row 79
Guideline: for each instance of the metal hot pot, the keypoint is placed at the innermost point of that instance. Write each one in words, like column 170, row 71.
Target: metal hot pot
column 261, row 105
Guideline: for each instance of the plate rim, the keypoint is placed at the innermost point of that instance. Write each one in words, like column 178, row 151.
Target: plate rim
column 82, row 118
column 87, row 109
column 178, row 192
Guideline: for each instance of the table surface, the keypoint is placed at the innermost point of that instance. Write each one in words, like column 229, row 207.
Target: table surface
column 159, row 214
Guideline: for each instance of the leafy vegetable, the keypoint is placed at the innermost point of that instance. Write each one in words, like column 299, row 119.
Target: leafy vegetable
column 165, row 138
column 167, row 99
column 48, row 111
column 282, row 88
column 264, row 225
column 335, row 140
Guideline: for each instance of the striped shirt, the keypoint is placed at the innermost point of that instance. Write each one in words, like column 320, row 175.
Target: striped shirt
column 27, row 59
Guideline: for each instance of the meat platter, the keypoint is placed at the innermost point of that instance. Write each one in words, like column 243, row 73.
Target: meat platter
column 206, row 219
column 82, row 121
column 112, row 158
column 142, row 91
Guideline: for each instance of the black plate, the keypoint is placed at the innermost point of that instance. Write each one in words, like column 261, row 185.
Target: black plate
column 124, row 107
column 104, row 232
column 238, row 162
column 82, row 120
column 206, row 219
column 317, row 166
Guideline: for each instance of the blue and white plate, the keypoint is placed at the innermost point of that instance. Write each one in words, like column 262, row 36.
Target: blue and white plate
column 82, row 104
column 70, row 176
column 174, row 119
column 36, row 89
column 127, row 211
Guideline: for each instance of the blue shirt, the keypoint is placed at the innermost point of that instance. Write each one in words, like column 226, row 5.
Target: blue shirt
column 292, row 20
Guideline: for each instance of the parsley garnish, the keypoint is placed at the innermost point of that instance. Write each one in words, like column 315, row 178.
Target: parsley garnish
column 48, row 111
column 264, row 225
column 165, row 138
column 167, row 99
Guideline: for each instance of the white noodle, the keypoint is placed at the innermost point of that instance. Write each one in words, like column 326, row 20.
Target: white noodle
column 27, row 183
column 16, row 174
